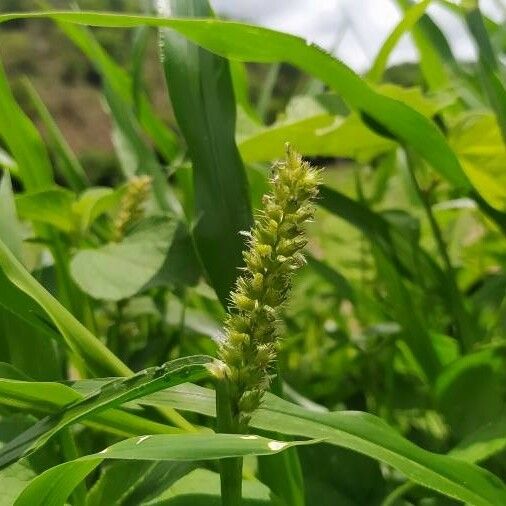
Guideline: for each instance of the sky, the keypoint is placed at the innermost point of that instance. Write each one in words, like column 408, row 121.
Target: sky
column 353, row 30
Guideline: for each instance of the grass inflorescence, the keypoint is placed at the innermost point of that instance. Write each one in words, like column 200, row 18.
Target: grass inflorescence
column 273, row 254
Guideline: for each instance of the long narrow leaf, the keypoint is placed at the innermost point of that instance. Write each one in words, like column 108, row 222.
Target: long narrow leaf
column 54, row 486
column 68, row 163
column 411, row 16
column 202, row 97
column 23, row 140
column 252, row 43
column 489, row 67
column 110, row 395
column 47, row 398
column 357, row 431
column 78, row 338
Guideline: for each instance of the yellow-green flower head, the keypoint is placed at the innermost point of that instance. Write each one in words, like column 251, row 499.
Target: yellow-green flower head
column 132, row 204
column 274, row 252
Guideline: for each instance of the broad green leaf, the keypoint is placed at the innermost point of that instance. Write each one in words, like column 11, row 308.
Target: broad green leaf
column 316, row 131
column 52, row 206
column 119, row 270
column 317, row 134
column 53, row 487
column 411, row 16
column 77, row 337
column 23, row 140
column 181, row 266
column 202, row 97
column 476, row 139
column 110, row 395
column 67, row 161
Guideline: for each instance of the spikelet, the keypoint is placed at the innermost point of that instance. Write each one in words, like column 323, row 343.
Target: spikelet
column 132, row 204
column 274, row 252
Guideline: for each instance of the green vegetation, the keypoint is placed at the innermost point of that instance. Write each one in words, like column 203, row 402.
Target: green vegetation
column 180, row 323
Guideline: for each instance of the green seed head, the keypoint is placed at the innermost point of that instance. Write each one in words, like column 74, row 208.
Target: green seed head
column 274, row 252
column 132, row 204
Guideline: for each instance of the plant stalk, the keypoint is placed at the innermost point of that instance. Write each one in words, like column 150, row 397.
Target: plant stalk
column 227, row 423
column 462, row 319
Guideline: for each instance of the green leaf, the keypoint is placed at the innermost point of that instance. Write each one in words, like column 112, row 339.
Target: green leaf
column 110, row 395
column 414, row 327
column 67, row 161
column 432, row 48
column 315, row 132
column 24, row 332
column 201, row 487
column 135, row 482
column 140, row 155
column 470, row 391
column 52, row 206
column 311, row 125
column 369, row 435
column 15, row 478
column 50, row 397
column 119, row 270
column 23, row 140
column 476, row 139
column 333, row 277
column 489, row 67
column 411, row 16
column 18, row 303
column 361, row 432
column 202, row 97
column 29, row 350
column 53, row 487
column 77, row 337
column 394, row 243
column 8, row 163
column 486, row 441
column 94, row 202
column 239, row 75
column 10, row 228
